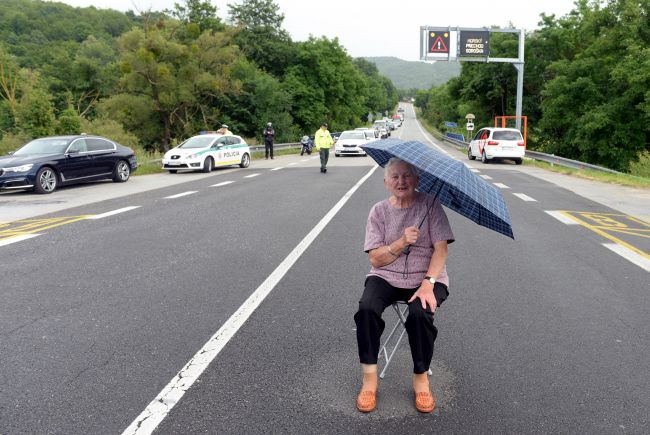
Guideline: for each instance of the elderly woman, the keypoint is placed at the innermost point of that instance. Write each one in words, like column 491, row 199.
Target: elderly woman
column 418, row 277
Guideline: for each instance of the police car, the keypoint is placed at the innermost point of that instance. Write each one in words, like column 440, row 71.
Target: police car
column 206, row 152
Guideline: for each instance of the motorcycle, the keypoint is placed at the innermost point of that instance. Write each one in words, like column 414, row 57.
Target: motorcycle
column 307, row 145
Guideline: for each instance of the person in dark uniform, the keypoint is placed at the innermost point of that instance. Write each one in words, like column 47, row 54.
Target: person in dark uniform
column 269, row 135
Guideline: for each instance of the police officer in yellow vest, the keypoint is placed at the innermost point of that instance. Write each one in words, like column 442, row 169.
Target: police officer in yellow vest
column 323, row 142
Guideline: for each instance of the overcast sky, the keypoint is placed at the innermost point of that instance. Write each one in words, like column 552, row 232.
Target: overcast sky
column 378, row 27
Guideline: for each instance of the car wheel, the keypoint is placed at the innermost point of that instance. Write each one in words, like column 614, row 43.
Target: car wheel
column 173, row 171
column 245, row 161
column 46, row 180
column 208, row 164
column 518, row 161
column 469, row 154
column 122, row 171
column 484, row 158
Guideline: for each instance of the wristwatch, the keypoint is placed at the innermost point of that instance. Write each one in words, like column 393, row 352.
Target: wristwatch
column 431, row 279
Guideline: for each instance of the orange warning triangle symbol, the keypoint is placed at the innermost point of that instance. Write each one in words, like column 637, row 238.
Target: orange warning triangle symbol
column 438, row 46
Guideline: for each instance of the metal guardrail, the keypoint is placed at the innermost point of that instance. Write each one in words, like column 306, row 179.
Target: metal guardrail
column 548, row 158
column 277, row 146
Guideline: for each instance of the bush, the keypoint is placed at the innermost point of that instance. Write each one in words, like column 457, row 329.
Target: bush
column 11, row 142
column 641, row 168
column 110, row 129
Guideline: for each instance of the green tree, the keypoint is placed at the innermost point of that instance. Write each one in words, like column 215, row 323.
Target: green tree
column 68, row 122
column 261, row 36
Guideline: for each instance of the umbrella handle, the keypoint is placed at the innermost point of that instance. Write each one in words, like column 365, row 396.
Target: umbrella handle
column 406, row 250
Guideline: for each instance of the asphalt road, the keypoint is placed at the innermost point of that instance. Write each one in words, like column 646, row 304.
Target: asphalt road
column 545, row 334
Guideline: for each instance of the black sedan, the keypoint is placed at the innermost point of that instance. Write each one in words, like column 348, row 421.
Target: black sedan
column 44, row 164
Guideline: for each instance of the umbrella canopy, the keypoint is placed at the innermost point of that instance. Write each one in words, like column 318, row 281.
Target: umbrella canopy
column 455, row 186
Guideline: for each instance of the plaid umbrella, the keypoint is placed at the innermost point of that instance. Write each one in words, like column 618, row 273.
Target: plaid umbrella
column 454, row 185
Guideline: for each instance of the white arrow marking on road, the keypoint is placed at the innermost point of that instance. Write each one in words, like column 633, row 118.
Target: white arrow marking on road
column 158, row 409
column 178, row 195
column 114, row 212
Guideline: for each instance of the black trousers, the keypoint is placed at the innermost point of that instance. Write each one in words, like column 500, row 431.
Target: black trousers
column 268, row 146
column 377, row 296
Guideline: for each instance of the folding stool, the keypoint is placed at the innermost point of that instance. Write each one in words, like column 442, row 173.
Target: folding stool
column 401, row 321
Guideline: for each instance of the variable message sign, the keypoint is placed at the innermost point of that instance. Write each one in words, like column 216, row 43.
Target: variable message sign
column 473, row 43
column 438, row 41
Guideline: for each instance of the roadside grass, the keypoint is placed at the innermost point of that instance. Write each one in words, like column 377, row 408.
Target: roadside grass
column 149, row 162
column 589, row 174
column 604, row 177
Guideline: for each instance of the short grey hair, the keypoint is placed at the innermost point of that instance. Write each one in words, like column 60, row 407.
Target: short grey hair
column 396, row 160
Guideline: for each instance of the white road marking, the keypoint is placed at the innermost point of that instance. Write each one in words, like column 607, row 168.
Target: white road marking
column 561, row 217
column 251, row 175
column 158, row 409
column 304, row 160
column 277, row 169
column 629, row 255
column 427, row 138
column 485, row 177
column 475, row 170
column 501, row 185
column 10, row 240
column 223, row 183
column 292, row 163
column 178, row 195
column 524, row 197
column 111, row 213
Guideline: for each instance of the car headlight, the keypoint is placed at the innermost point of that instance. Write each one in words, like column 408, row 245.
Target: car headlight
column 23, row 168
column 192, row 156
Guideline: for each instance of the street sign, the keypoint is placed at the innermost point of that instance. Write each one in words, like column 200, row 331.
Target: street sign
column 473, row 43
column 470, row 126
column 438, row 41
column 450, row 124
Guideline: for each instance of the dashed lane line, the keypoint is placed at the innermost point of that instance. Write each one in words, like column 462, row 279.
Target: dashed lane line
column 278, row 168
column 474, row 170
column 485, row 177
column 251, row 175
column 525, row 197
column 629, row 255
column 223, row 183
column 114, row 212
column 501, row 186
column 562, row 217
column 159, row 407
column 178, row 195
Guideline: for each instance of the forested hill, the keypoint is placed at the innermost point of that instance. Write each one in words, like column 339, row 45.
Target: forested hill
column 415, row 75
column 153, row 79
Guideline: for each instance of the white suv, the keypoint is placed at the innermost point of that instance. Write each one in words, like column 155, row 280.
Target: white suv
column 497, row 143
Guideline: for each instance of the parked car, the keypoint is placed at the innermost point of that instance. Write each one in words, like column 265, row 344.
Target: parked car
column 497, row 143
column 349, row 142
column 44, row 164
column 207, row 151
column 379, row 124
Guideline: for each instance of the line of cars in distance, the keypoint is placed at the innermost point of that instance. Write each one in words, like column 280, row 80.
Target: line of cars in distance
column 349, row 142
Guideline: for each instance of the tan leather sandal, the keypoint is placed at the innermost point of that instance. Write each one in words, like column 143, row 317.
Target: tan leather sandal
column 424, row 401
column 367, row 401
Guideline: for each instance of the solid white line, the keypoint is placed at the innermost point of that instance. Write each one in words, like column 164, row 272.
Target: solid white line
column 111, row 213
column 277, row 169
column 426, row 136
column 10, row 240
column 524, row 197
column 223, row 183
column 629, row 255
column 485, row 177
column 178, row 195
column 501, row 185
column 158, row 409
column 475, row 170
column 561, row 217
column 251, row 175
